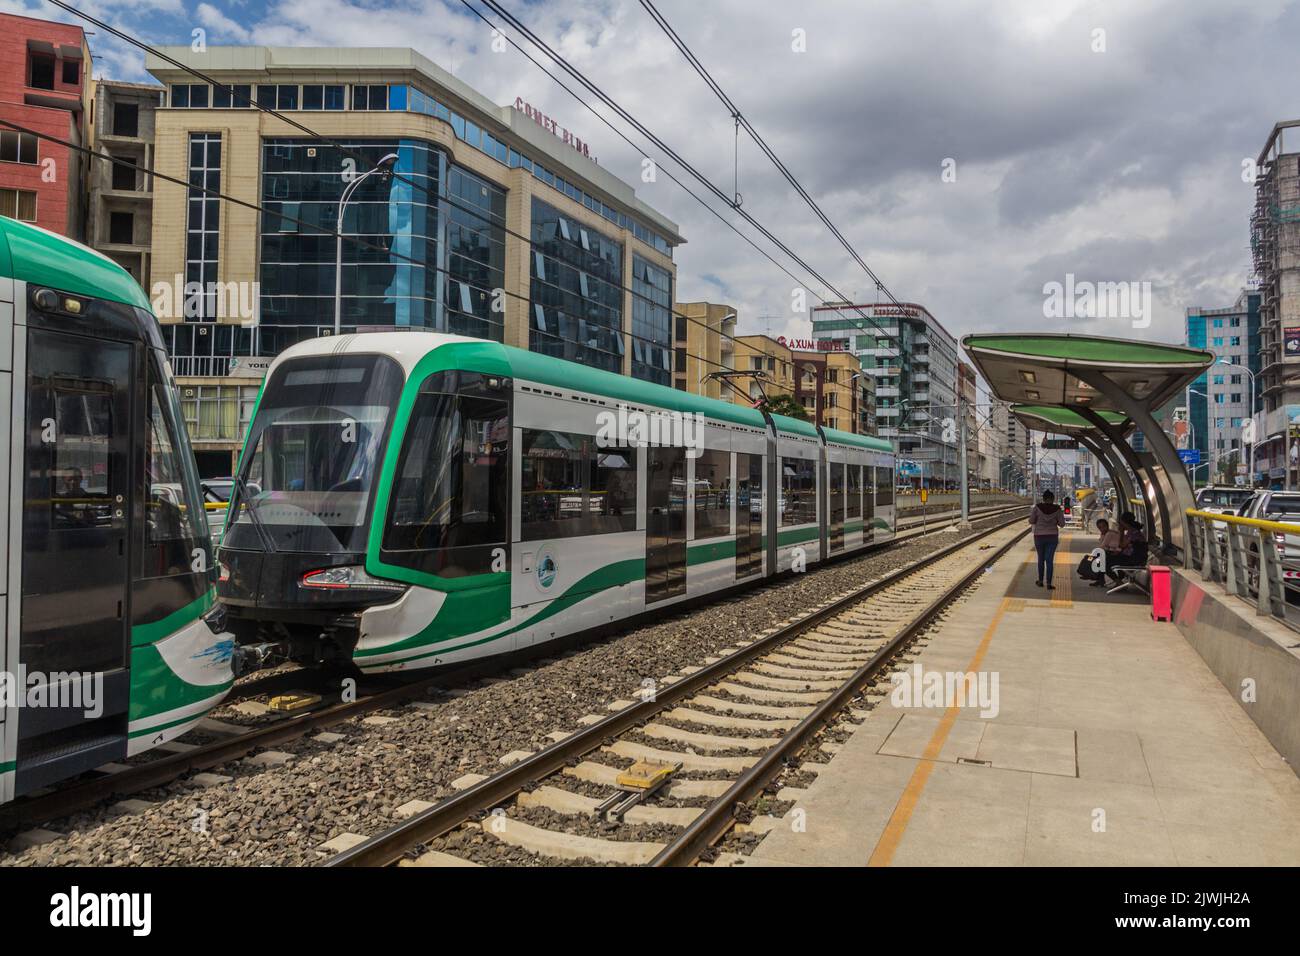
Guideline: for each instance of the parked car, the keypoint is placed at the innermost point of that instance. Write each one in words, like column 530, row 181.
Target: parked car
column 1222, row 499
column 1282, row 507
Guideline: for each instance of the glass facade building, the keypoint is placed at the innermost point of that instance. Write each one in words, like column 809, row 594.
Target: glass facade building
column 652, row 322
column 485, row 228
column 423, row 262
column 575, row 291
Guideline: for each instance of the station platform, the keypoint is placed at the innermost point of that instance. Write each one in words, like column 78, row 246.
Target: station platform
column 1107, row 741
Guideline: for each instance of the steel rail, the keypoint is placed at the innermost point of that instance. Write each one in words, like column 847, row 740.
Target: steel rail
column 391, row 845
column 719, row 816
column 85, row 794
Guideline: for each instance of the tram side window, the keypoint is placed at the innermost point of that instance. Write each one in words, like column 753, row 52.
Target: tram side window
column 613, row 489
column 799, row 491
column 854, row 507
column 553, row 485
column 170, row 527
column 884, row 487
column 712, row 494
column 83, row 429
column 571, row 487
column 868, row 496
column 451, row 501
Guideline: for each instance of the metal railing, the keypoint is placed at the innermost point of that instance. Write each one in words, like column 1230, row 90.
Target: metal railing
column 1246, row 556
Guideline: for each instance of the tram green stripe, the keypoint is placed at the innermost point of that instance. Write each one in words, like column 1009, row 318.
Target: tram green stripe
column 713, row 551
column 8, row 765
column 155, row 631
column 797, row 535
column 610, row 576
column 171, row 723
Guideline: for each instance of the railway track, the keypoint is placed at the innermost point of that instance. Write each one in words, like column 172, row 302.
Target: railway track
column 728, row 728
column 235, row 742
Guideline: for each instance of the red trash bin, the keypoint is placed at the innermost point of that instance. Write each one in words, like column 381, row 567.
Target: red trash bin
column 1161, row 593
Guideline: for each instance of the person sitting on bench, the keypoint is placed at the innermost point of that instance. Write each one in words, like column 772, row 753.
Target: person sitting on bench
column 1111, row 541
column 1134, row 552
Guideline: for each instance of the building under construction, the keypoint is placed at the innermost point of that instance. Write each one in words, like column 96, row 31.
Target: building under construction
column 1275, row 245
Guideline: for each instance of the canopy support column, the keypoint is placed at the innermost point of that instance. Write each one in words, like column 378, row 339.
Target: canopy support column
column 1155, row 503
column 1114, row 467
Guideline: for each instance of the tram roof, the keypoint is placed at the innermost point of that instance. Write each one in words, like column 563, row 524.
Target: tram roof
column 1034, row 368
column 493, row 357
column 560, row 372
column 38, row 257
column 1066, row 421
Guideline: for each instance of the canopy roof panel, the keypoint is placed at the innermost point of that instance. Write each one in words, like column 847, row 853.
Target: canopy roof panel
column 1054, row 418
column 1034, row 368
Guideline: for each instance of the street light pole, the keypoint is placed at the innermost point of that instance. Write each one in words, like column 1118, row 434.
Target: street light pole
column 383, row 167
column 1250, row 467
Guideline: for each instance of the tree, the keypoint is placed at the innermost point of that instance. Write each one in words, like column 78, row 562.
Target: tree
column 786, row 405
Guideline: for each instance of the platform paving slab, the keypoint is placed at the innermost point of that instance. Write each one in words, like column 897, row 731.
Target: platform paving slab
column 1113, row 744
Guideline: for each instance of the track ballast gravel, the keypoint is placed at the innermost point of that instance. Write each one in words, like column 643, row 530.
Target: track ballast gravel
column 281, row 815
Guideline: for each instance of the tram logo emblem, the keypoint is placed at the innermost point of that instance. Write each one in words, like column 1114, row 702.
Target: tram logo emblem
column 547, row 569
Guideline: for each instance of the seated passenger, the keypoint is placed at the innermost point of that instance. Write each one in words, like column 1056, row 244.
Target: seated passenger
column 1134, row 553
column 1112, row 543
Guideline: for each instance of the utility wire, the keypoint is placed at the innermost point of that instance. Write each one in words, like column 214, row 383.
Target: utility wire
column 346, row 151
column 663, row 147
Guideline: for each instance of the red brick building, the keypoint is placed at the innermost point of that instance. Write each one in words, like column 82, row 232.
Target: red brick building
column 45, row 73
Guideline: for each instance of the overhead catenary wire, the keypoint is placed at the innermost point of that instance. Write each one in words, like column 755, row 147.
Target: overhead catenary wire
column 742, row 121
column 126, row 37
column 577, row 75
column 346, row 151
column 323, row 230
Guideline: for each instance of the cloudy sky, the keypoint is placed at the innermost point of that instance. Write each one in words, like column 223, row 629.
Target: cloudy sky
column 1099, row 139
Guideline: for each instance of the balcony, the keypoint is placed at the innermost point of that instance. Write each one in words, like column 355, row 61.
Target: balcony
column 200, row 366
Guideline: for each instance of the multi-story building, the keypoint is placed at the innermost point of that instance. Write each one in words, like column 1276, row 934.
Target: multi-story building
column 44, row 78
column 1275, row 243
column 771, row 359
column 703, row 342
column 1013, row 464
column 120, row 221
column 828, row 384
column 913, row 360
column 495, row 223
column 1218, row 402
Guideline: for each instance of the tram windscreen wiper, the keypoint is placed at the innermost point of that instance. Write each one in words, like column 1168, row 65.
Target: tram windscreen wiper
column 246, row 499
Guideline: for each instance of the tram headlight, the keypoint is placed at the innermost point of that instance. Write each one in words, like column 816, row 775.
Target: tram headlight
column 348, row 576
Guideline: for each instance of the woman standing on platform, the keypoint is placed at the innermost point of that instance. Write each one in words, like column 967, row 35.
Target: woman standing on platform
column 1047, row 521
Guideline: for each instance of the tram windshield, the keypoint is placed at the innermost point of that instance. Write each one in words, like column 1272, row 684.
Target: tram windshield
column 313, row 455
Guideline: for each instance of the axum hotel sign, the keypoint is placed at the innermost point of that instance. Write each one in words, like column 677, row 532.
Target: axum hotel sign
column 813, row 345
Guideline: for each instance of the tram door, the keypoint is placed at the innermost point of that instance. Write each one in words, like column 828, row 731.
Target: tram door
column 75, row 629
column 749, row 515
column 665, row 559
column 835, row 504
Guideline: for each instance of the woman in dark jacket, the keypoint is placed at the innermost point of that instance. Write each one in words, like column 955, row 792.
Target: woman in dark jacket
column 1047, row 520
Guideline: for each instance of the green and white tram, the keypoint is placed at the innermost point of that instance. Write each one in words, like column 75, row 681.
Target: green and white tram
column 107, row 572
column 414, row 499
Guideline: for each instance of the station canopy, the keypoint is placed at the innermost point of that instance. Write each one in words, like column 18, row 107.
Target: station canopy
column 1099, row 390
column 1065, row 421
column 1036, row 369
